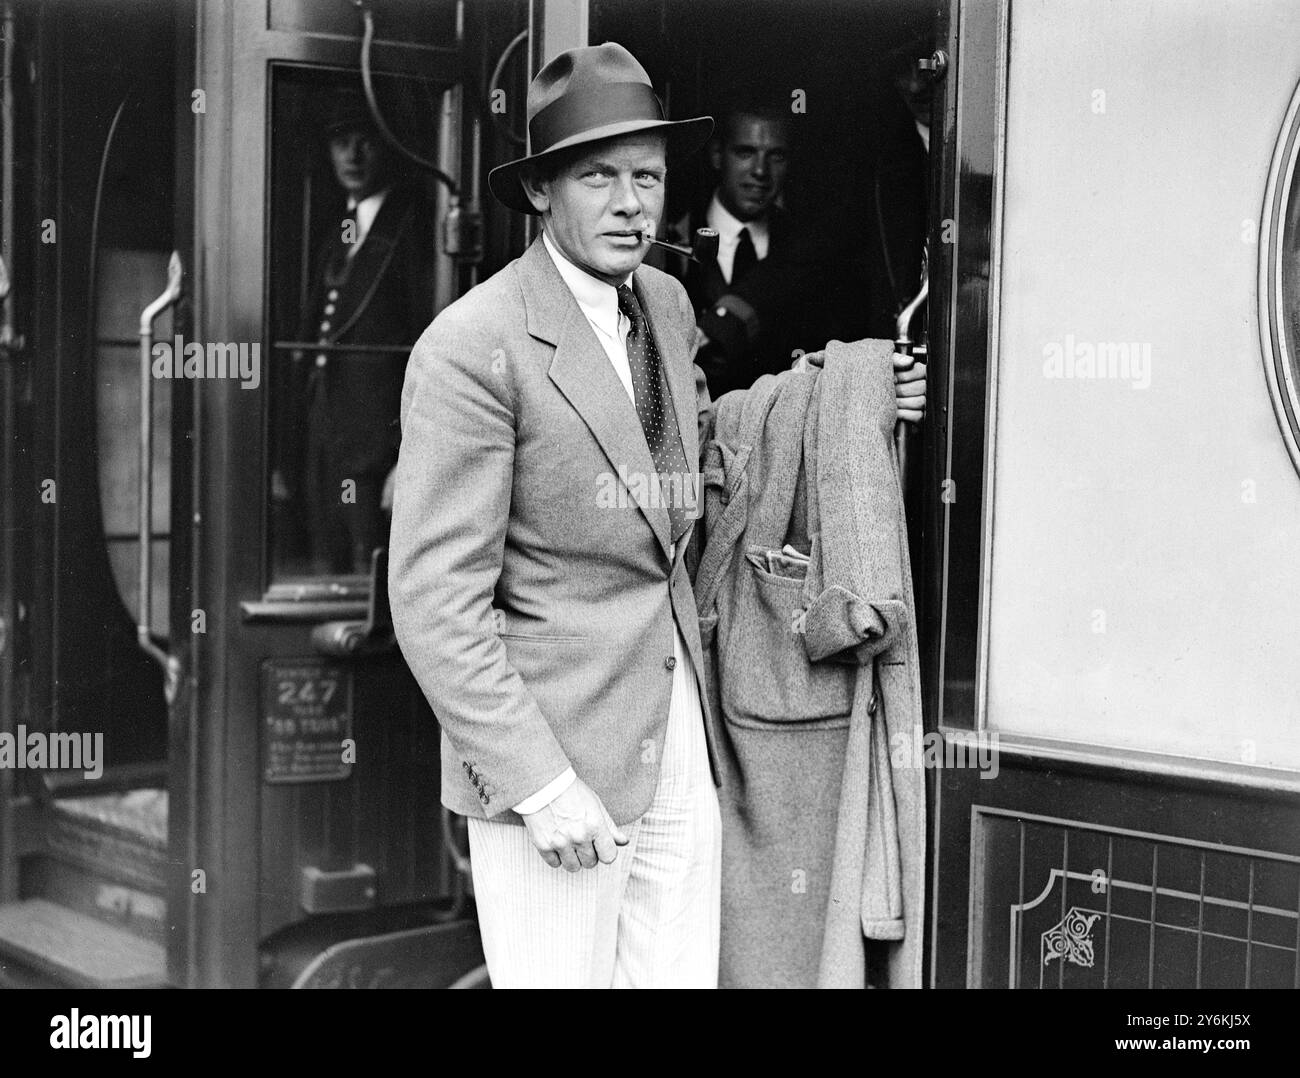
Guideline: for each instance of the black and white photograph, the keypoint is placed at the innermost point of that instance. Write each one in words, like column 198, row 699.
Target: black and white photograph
column 664, row 494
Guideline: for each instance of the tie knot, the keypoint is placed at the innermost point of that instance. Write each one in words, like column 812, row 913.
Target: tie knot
column 628, row 305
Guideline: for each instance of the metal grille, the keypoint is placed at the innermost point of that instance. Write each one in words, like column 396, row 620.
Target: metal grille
column 1096, row 907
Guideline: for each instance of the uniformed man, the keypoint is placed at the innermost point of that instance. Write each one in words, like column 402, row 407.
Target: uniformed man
column 373, row 289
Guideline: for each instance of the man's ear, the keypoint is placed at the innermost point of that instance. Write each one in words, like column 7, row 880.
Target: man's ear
column 715, row 155
column 536, row 191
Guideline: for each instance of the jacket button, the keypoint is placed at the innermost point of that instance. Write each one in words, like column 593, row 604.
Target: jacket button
column 671, row 662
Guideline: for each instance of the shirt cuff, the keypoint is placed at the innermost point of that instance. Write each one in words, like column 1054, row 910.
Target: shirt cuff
column 547, row 793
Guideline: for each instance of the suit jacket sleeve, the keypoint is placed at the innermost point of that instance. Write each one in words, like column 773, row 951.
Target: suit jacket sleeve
column 451, row 508
column 703, row 403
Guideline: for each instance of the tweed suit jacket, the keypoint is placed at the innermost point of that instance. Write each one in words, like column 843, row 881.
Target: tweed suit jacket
column 532, row 587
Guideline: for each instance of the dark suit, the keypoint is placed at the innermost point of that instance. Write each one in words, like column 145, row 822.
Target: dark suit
column 782, row 299
column 346, row 424
column 899, row 228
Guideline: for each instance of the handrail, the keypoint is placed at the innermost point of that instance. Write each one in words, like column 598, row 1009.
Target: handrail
column 171, row 666
column 904, row 344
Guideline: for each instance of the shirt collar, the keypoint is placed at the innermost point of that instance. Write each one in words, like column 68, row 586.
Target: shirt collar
column 728, row 225
column 598, row 300
column 367, row 209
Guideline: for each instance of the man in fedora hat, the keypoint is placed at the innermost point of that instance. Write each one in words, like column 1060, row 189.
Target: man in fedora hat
column 545, row 494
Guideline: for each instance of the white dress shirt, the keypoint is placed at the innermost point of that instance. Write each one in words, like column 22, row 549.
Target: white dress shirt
column 366, row 210
column 728, row 227
column 599, row 302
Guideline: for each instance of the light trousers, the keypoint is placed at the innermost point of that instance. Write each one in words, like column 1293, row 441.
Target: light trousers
column 649, row 920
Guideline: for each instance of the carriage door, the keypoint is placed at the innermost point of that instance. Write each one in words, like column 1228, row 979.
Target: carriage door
column 337, row 211
column 1115, row 371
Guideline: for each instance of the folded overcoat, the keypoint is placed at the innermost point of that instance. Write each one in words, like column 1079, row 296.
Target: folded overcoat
column 813, row 676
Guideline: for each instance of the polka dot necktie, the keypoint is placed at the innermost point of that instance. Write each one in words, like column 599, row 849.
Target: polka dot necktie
column 658, row 421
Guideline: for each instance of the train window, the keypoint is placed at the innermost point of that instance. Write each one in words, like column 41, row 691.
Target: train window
column 1142, row 581
column 351, row 270
column 1280, row 280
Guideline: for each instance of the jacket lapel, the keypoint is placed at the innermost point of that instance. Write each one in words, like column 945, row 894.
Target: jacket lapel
column 370, row 263
column 582, row 372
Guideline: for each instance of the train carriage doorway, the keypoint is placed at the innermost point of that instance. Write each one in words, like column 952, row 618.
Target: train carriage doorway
column 92, row 213
column 332, row 245
column 284, row 797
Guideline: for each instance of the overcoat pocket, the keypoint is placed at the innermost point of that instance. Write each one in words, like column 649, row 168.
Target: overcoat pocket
column 770, row 680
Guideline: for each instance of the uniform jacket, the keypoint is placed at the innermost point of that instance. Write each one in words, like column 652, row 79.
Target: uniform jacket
column 813, row 675
column 385, row 298
column 532, row 591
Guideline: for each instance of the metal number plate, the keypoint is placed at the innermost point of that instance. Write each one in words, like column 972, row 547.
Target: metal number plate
column 306, row 717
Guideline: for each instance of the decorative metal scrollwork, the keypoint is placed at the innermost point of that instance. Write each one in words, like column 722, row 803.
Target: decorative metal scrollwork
column 1071, row 939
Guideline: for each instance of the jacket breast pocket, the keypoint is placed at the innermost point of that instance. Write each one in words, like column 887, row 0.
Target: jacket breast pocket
column 767, row 679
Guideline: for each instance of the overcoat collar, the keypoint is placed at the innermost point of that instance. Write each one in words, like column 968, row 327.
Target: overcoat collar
column 582, row 372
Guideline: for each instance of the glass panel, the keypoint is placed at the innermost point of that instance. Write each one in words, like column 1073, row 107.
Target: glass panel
column 351, row 281
column 1144, row 576
column 129, row 280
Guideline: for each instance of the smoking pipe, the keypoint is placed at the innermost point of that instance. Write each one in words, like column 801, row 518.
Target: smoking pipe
column 704, row 250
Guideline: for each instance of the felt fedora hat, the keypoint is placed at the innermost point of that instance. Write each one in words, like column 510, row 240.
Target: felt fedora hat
column 585, row 95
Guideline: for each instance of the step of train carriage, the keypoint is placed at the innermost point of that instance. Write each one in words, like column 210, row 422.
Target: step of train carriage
column 221, row 772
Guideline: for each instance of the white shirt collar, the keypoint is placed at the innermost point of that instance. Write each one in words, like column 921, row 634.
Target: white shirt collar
column 366, row 210
column 924, row 131
column 728, row 226
column 598, row 300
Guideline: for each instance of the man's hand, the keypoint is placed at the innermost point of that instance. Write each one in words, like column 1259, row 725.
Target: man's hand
column 909, row 382
column 699, row 342
column 279, row 488
column 574, row 830
column 909, row 388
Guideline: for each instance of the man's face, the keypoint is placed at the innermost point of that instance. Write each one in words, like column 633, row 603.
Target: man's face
column 597, row 206
column 358, row 161
column 753, row 162
column 916, row 89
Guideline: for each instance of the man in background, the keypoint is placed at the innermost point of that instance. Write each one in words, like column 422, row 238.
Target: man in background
column 372, row 289
column 763, row 297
